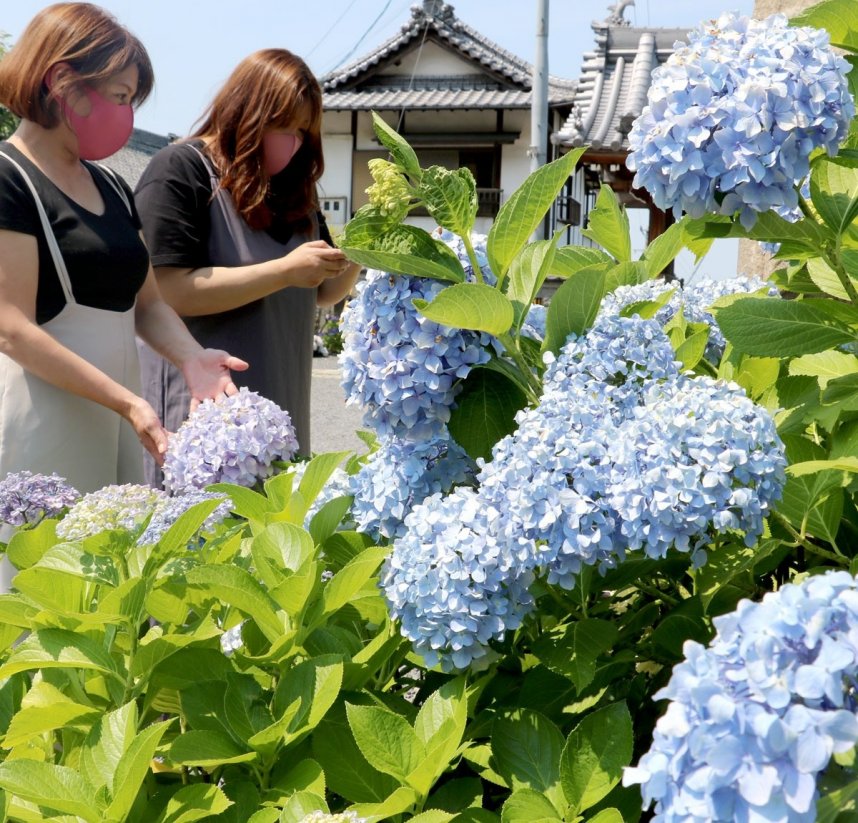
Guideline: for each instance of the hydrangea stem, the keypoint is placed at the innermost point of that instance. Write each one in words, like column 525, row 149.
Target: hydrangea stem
column 531, row 381
column 832, row 255
column 839, row 559
column 472, row 256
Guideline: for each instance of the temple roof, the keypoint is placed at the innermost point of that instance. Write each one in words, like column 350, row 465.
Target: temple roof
column 612, row 89
column 131, row 160
column 502, row 80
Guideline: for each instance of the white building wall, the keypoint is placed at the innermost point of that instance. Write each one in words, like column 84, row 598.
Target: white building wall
column 515, row 164
column 432, row 60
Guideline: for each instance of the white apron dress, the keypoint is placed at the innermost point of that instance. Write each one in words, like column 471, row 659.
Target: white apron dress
column 45, row 429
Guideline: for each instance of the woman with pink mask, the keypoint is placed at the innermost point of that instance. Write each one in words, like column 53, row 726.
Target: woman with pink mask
column 75, row 278
column 238, row 244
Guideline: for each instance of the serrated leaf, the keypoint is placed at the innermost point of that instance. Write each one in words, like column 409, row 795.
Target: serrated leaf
column 485, row 411
column 834, row 191
column 526, row 751
column 608, row 225
column 771, row 327
column 450, row 197
column 340, row 589
column 27, row 546
column 232, row 585
column 825, row 366
column 594, row 756
column 403, row 155
column 519, row 217
column 132, row 769
column 195, row 802
column 569, row 260
column 206, row 749
column 386, row 740
column 574, row 306
column 838, row 17
column 55, row 787
column 526, row 275
column 469, row 306
column 59, row 649
column 727, row 563
column 409, row 250
column 245, row 502
column 528, row 806
column 573, row 649
column 659, row 254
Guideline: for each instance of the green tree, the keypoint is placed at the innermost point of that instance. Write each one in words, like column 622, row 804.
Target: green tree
column 8, row 121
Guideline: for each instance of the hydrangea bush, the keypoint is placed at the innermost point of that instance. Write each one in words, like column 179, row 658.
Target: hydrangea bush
column 27, row 498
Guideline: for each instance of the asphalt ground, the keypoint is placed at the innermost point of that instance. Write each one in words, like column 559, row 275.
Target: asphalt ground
column 333, row 424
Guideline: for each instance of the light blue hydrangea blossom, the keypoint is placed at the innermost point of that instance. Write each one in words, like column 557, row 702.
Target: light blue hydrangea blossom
column 694, row 299
column 401, row 368
column 233, row 439
column 169, row 509
column 754, row 717
column 734, row 115
column 27, row 498
column 112, row 507
column 623, row 453
column 452, row 585
column 402, row 473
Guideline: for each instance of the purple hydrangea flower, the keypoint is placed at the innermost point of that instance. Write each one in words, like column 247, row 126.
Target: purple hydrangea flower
column 734, row 116
column 123, row 507
column 754, row 717
column 403, row 369
column 27, row 498
column 169, row 509
column 229, row 440
column 452, row 585
column 401, row 474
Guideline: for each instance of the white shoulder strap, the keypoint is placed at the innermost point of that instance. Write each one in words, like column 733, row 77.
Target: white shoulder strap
column 56, row 254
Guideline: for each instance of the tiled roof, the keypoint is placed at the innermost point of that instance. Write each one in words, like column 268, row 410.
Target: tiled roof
column 614, row 82
column 130, row 161
column 505, row 81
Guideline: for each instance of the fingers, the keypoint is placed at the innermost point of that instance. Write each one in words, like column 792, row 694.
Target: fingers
column 236, row 364
column 154, row 440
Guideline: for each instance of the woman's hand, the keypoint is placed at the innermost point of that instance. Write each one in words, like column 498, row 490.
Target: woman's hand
column 312, row 263
column 207, row 374
column 148, row 428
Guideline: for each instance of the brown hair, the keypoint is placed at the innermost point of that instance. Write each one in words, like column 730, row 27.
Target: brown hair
column 269, row 89
column 83, row 35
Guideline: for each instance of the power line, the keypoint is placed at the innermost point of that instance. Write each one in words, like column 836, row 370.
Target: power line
column 362, row 37
column 332, row 27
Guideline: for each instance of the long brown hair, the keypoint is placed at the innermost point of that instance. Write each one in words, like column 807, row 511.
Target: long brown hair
column 83, row 35
column 269, row 89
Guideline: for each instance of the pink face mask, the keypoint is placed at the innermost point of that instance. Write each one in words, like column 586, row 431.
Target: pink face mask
column 278, row 149
column 104, row 130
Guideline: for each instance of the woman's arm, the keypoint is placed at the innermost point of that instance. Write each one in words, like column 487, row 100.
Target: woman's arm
column 336, row 288
column 206, row 371
column 23, row 340
column 215, row 289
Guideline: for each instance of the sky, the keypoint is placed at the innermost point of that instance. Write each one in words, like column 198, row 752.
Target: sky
column 195, row 45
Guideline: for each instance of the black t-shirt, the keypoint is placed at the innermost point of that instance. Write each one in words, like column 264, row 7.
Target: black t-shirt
column 173, row 197
column 106, row 260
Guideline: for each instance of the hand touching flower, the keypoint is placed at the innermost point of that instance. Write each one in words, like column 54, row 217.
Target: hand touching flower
column 207, row 374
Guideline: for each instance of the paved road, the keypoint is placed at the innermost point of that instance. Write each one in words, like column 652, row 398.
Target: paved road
column 333, row 423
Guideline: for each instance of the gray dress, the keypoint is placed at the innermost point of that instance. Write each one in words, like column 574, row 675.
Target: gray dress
column 274, row 334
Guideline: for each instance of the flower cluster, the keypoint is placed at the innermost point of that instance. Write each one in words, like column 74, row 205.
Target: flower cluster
column 402, row 473
column 734, row 116
column 231, row 640
column 27, row 498
column 390, row 192
column 694, row 300
column 403, row 369
column 123, row 507
column 756, row 716
column 325, row 817
column 452, row 585
column 169, row 509
column 622, row 454
column 232, row 439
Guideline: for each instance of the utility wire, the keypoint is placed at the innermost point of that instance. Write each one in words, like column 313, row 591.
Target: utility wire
column 362, row 37
column 413, row 72
column 332, row 27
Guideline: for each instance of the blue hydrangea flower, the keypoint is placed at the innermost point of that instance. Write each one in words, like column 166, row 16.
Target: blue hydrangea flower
column 231, row 440
column 232, row 640
column 695, row 300
column 403, row 369
column 401, row 474
column 756, row 716
column 734, row 116
column 451, row 583
column 169, row 509
column 535, row 322
column 113, row 507
column 27, row 498
column 695, row 459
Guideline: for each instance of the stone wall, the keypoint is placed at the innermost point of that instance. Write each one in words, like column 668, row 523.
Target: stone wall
column 752, row 260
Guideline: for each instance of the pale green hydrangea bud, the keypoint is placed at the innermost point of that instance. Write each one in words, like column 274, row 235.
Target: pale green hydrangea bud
column 325, row 817
column 391, row 193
